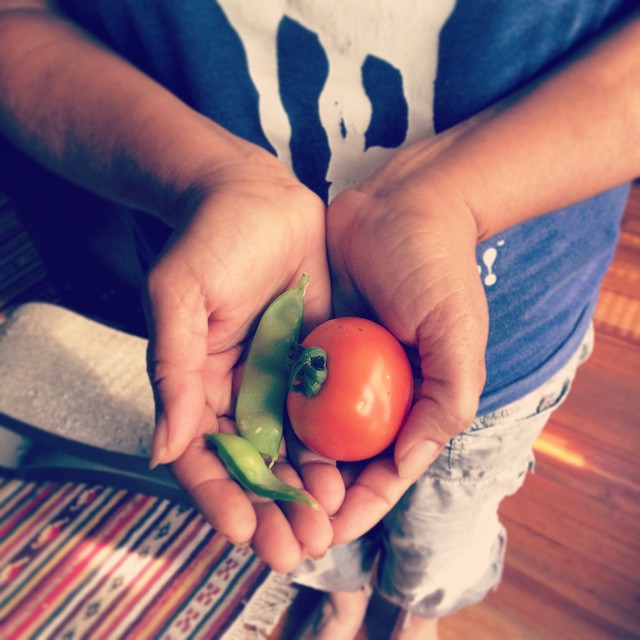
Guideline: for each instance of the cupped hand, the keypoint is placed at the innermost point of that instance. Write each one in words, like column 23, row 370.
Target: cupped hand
column 246, row 233
column 402, row 249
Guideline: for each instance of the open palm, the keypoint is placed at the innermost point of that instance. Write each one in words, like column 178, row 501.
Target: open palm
column 407, row 258
column 242, row 243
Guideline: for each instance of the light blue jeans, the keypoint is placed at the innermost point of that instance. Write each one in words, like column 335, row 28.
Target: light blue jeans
column 442, row 546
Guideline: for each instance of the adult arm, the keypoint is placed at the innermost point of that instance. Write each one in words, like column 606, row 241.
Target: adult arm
column 87, row 114
column 403, row 242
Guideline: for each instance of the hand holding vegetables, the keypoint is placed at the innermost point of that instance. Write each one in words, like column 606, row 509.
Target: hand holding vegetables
column 247, row 231
column 348, row 408
column 402, row 244
column 202, row 311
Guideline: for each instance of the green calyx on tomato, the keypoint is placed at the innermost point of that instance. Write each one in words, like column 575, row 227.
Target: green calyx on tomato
column 309, row 370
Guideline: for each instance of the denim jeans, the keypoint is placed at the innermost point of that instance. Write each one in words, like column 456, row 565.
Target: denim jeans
column 442, row 546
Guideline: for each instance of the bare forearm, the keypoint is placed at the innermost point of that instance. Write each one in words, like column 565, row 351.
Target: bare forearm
column 575, row 134
column 87, row 114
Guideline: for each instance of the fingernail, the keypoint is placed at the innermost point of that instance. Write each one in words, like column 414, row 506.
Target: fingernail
column 417, row 460
column 158, row 457
column 159, row 445
column 307, row 555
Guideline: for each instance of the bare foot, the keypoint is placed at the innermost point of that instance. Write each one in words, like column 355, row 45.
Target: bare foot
column 409, row 626
column 338, row 616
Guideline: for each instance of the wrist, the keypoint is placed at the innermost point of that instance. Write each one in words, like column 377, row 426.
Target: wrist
column 236, row 167
column 178, row 159
column 417, row 180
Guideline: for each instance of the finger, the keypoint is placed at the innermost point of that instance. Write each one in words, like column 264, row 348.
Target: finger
column 311, row 527
column 372, row 495
column 320, row 476
column 347, row 300
column 346, row 296
column 219, row 499
column 317, row 297
column 176, row 358
column 325, row 483
column 433, row 421
column 451, row 345
column 427, row 429
column 274, row 540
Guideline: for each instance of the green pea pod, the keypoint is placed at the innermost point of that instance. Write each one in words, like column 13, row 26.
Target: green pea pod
column 246, row 465
column 264, row 385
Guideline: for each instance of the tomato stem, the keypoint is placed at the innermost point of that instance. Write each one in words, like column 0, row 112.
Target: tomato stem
column 309, row 370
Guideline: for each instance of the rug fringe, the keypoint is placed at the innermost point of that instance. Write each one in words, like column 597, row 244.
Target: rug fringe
column 264, row 610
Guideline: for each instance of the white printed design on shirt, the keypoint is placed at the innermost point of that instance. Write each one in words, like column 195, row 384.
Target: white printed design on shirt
column 489, row 257
column 405, row 34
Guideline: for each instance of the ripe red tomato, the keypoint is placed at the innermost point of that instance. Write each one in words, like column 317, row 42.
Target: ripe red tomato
column 367, row 394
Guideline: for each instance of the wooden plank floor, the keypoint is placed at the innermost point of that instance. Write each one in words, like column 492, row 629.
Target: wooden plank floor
column 573, row 560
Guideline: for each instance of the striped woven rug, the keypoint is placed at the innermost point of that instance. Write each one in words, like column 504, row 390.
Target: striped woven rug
column 78, row 561
column 95, row 562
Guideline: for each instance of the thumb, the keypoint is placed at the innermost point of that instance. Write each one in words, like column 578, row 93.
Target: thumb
column 176, row 358
column 425, row 433
column 446, row 402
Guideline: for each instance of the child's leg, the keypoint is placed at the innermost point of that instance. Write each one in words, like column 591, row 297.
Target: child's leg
column 344, row 574
column 339, row 616
column 411, row 627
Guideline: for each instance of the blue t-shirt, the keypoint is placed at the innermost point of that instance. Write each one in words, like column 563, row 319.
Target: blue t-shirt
column 333, row 88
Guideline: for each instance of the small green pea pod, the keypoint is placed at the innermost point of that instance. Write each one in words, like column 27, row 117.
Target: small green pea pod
column 264, row 385
column 246, row 465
